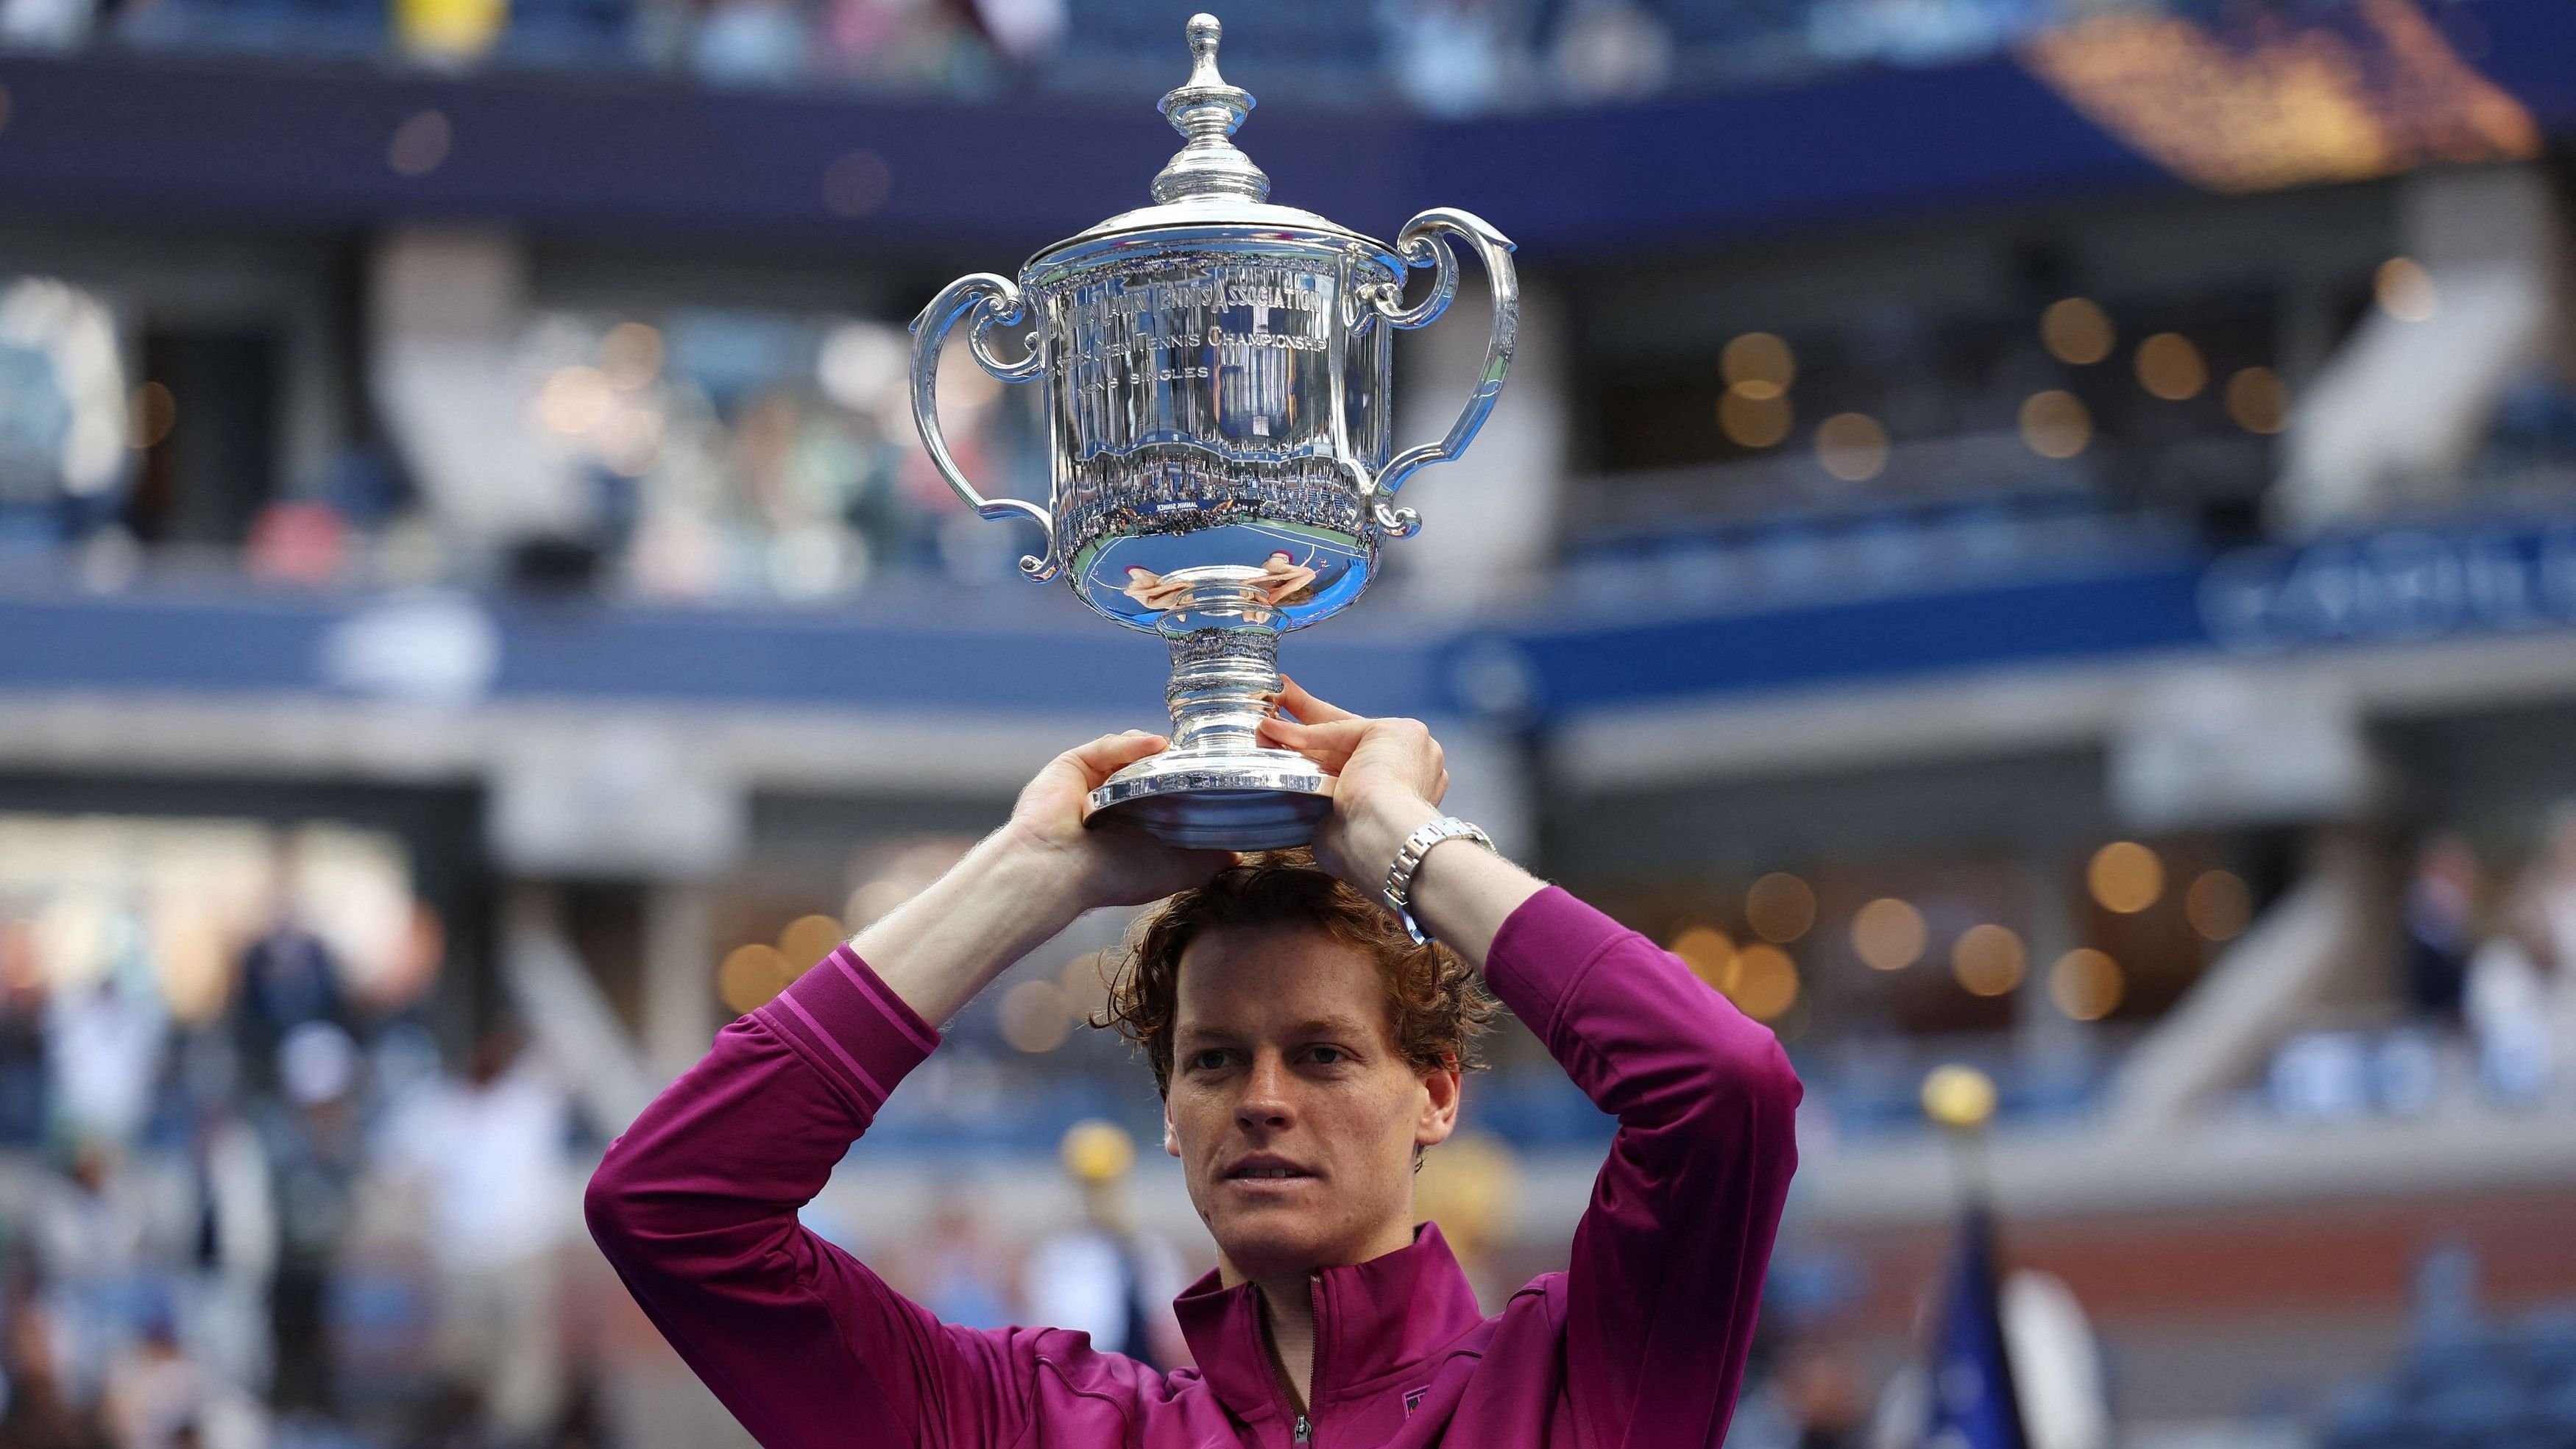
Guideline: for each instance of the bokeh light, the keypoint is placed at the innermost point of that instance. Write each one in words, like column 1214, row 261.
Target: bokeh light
column 1780, row 907
column 1709, row 953
column 2086, row 984
column 1958, row 1097
column 2076, row 331
column 1988, row 960
column 631, row 355
column 2257, row 401
column 2055, row 424
column 1888, row 934
column 2170, row 367
column 1852, row 446
column 752, row 975
column 1759, row 365
column 856, row 183
column 2218, row 905
column 1035, row 1016
column 1754, row 421
column 1766, row 982
column 574, row 400
column 420, row 144
column 809, row 939
column 2125, row 877
column 150, row 416
column 2406, row 291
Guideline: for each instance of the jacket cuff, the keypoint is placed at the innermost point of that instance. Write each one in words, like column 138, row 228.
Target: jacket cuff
column 849, row 1025
column 1544, row 947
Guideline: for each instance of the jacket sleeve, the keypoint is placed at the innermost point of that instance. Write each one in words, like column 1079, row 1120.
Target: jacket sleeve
column 1666, row 1273
column 696, row 1207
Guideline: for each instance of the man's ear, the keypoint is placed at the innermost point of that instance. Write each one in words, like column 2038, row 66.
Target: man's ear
column 1171, row 1138
column 1440, row 1105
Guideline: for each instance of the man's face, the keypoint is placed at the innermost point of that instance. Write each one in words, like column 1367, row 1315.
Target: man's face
column 1294, row 1115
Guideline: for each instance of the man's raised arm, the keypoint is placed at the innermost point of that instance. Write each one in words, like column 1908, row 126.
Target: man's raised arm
column 1666, row 1273
column 696, row 1204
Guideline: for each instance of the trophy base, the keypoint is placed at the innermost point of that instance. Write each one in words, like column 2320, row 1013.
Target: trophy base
column 1218, row 800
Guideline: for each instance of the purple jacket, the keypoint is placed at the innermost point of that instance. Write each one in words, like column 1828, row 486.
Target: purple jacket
column 1640, row 1342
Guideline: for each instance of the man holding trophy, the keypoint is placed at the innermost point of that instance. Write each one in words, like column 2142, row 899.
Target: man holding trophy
column 1215, row 368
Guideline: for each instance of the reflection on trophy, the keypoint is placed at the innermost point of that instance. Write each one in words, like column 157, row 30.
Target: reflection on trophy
column 1216, row 374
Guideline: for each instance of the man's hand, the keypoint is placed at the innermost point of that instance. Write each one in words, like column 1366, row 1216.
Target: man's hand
column 1112, row 866
column 1025, row 882
column 1392, row 778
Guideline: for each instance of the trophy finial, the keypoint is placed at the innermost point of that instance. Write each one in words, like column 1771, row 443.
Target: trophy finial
column 1207, row 110
column 1205, row 31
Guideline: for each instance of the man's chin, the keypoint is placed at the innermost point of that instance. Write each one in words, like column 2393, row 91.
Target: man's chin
column 1271, row 1242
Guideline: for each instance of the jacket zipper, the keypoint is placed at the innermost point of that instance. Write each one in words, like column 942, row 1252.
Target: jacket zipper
column 1315, row 1366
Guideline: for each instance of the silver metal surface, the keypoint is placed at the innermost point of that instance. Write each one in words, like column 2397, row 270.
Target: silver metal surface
column 1216, row 371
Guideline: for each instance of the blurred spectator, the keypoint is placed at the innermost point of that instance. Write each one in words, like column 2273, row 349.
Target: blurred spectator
column 964, row 1275
column 41, row 1412
column 96, row 1246
column 24, row 1072
column 1609, row 49
column 2441, row 923
column 1452, row 57
column 1107, row 1277
column 288, row 978
column 485, row 1155
column 314, row 1150
column 1821, row 1392
column 1025, row 31
column 104, row 1041
column 750, row 43
column 232, row 1255
column 297, row 542
column 160, row 1398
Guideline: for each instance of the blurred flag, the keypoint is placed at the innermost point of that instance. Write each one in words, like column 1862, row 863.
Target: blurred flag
column 1973, row 1405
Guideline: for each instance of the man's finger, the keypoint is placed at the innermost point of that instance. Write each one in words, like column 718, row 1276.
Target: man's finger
column 1293, row 697
column 1110, row 753
column 1328, row 745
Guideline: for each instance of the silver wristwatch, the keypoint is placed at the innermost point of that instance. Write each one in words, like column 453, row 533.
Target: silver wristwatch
column 1399, row 876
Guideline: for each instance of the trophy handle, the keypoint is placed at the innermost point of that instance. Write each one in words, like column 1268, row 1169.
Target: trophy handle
column 996, row 301
column 1422, row 244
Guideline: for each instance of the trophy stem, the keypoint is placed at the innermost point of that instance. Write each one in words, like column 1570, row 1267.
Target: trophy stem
column 1219, row 787
column 1222, row 680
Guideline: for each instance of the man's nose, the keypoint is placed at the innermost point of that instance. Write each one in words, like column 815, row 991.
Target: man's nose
column 1265, row 1102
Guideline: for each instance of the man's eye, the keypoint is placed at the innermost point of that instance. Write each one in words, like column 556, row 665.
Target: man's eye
column 1208, row 1061
column 1328, row 1056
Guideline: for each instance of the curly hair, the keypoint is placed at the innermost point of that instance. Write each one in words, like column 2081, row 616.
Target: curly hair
column 1438, row 1005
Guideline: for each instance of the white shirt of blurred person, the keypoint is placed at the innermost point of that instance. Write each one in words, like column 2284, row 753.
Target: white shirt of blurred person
column 1109, row 1278
column 2520, row 996
column 2553, row 904
column 103, row 1044
column 486, row 1154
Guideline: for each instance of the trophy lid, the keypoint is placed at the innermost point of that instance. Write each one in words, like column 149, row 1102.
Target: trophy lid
column 1210, row 181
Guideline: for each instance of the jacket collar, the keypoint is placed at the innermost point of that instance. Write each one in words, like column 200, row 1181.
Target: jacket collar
column 1371, row 1319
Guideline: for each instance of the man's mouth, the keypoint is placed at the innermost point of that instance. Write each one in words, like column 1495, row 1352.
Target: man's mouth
column 1263, row 1167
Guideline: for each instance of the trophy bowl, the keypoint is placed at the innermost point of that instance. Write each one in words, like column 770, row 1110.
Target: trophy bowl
column 1216, row 371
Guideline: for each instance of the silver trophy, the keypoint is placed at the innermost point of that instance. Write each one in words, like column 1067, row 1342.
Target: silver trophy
column 1216, row 372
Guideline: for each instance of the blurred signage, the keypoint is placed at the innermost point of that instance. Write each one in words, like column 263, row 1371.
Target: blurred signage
column 623, row 800
column 2391, row 588
column 2226, row 746
column 438, row 649
column 2364, row 90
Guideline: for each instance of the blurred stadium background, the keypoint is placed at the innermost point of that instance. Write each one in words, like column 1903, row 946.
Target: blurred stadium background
column 2038, row 534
